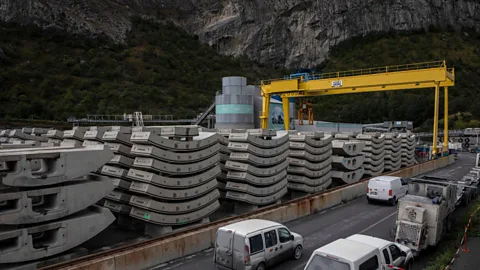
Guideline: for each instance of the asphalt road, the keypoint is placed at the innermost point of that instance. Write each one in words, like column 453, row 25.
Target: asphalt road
column 322, row 228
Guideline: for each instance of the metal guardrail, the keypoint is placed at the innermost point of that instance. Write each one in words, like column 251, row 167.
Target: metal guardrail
column 369, row 71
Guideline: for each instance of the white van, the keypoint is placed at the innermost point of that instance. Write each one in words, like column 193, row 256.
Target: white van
column 255, row 244
column 386, row 188
column 360, row 252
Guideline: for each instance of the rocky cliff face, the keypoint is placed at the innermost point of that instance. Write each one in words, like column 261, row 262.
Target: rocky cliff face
column 284, row 32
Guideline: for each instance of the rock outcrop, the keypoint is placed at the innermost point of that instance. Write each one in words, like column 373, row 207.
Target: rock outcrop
column 284, row 32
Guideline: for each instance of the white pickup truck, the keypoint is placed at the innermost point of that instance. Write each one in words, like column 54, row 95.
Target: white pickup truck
column 360, row 252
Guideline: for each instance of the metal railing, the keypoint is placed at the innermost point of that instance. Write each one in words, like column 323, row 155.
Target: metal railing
column 370, row 71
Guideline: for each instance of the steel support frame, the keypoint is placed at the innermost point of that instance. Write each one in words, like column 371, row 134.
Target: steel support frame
column 445, row 117
column 435, row 120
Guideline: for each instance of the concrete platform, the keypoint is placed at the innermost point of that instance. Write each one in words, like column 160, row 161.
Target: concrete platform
column 255, row 190
column 33, row 243
column 256, row 160
column 174, row 182
column 120, row 149
column 310, row 140
column 261, row 152
column 348, row 177
column 255, row 180
column 347, row 148
column 176, row 169
column 118, row 207
column 174, row 208
column 204, row 140
column 347, row 163
column 257, row 141
column 46, row 204
column 121, row 161
column 117, row 137
column 173, row 194
column 58, row 165
column 262, row 172
column 309, row 189
column 174, row 157
column 301, row 154
column 310, row 165
column 254, row 200
column 162, row 219
column 309, row 173
column 119, row 196
column 317, row 181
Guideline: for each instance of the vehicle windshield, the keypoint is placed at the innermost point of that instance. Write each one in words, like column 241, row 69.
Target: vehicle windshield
column 323, row 263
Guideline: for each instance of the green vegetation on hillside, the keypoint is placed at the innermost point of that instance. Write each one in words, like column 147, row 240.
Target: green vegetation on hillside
column 161, row 70
column 460, row 50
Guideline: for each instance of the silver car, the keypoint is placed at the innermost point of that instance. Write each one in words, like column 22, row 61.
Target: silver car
column 255, row 244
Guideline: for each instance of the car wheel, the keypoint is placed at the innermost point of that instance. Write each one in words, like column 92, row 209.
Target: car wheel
column 261, row 266
column 409, row 265
column 297, row 254
column 394, row 201
column 368, row 200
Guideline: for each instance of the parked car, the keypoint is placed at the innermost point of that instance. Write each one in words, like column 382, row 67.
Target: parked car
column 255, row 244
column 387, row 189
column 360, row 252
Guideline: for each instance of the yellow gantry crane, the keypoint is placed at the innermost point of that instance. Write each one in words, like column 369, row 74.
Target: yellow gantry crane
column 389, row 78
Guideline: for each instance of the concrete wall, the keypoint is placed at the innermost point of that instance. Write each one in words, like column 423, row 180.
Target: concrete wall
column 154, row 252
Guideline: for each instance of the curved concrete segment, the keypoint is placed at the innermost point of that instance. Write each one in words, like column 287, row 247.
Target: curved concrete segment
column 373, row 138
column 301, row 154
column 121, row 161
column 314, row 142
column 173, row 207
column 317, row 181
column 310, row 189
column 16, row 133
column 309, row 165
column 256, row 141
column 347, row 148
column 55, row 134
column 174, row 182
column 307, row 172
column 258, row 161
column 174, row 157
column 173, row 194
column 256, row 191
column 119, row 196
column 114, row 172
column 373, row 162
column 176, row 169
column 255, row 180
column 394, row 157
column 203, row 140
column 119, row 148
column 306, row 147
column 118, row 207
column 263, row 172
column 375, row 151
column 162, row 219
column 261, row 152
column 374, row 167
column 40, row 205
column 347, row 163
column 348, row 177
column 57, row 165
column 117, row 137
column 74, row 134
column 254, row 200
column 36, row 242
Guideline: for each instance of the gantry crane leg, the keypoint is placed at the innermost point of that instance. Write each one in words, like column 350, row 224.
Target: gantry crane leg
column 445, row 118
column 435, row 121
column 286, row 113
column 265, row 110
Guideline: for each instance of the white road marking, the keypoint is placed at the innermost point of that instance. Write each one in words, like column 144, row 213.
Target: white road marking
column 378, row 222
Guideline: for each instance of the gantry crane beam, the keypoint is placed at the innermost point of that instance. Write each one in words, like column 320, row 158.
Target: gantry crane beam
column 389, row 78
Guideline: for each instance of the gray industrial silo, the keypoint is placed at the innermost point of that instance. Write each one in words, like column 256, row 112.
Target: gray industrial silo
column 234, row 107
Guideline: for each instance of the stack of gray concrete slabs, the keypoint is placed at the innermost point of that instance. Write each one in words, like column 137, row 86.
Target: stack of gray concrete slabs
column 257, row 166
column 174, row 179
column 393, row 152
column 310, row 161
column 224, row 157
column 37, row 241
column 373, row 152
column 348, row 158
column 408, row 149
column 18, row 134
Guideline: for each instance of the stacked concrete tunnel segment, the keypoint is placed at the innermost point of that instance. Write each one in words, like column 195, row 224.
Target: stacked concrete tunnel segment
column 310, row 162
column 159, row 179
column 257, row 168
column 47, row 196
column 347, row 159
column 373, row 152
